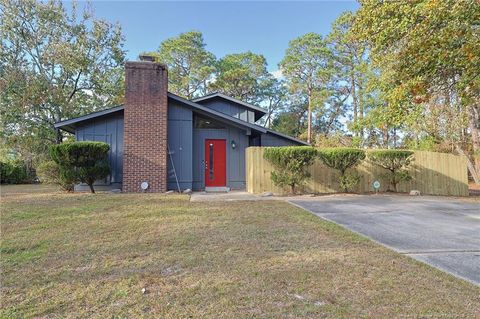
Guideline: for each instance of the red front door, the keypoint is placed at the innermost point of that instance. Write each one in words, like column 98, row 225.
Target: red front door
column 215, row 163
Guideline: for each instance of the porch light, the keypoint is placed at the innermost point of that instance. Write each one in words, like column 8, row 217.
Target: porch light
column 234, row 145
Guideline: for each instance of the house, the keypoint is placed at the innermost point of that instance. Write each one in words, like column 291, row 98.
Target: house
column 158, row 137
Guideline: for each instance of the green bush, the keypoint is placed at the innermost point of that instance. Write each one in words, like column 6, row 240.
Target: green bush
column 14, row 172
column 49, row 173
column 396, row 162
column 349, row 181
column 342, row 159
column 290, row 164
column 83, row 162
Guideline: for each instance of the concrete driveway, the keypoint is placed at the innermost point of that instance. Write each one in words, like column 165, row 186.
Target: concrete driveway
column 442, row 232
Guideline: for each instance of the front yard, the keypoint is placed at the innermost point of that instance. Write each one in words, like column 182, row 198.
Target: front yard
column 83, row 255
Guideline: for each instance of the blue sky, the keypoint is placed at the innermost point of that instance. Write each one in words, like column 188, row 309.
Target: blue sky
column 227, row 27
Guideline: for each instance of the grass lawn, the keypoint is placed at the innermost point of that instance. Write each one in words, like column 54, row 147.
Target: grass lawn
column 83, row 255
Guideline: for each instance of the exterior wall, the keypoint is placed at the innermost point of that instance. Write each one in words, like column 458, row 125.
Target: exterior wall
column 235, row 157
column 275, row 140
column 108, row 129
column 230, row 108
column 186, row 146
column 180, row 135
column 145, row 127
column 188, row 151
column 255, row 140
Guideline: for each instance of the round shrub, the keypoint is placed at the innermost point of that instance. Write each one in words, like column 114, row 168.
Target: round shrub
column 83, row 162
column 49, row 173
column 290, row 164
column 396, row 162
column 342, row 159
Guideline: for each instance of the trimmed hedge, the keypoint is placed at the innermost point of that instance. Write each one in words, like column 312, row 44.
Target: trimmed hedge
column 83, row 162
column 343, row 158
column 395, row 161
column 290, row 164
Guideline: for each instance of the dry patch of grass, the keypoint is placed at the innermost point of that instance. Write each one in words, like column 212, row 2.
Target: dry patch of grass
column 82, row 255
column 29, row 189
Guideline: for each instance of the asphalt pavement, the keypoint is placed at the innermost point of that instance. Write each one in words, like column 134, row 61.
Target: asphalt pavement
column 440, row 231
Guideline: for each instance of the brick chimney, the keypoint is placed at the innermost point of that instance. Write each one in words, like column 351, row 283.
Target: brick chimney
column 145, row 126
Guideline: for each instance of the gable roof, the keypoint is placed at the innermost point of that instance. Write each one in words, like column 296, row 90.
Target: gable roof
column 259, row 111
column 69, row 125
column 216, row 114
column 288, row 137
column 221, row 116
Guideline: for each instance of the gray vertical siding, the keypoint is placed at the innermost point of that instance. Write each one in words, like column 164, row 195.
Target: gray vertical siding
column 275, row 140
column 230, row 108
column 235, row 157
column 108, row 129
column 180, row 135
column 185, row 142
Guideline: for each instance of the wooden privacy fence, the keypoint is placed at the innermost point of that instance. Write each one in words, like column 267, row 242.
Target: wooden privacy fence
column 432, row 173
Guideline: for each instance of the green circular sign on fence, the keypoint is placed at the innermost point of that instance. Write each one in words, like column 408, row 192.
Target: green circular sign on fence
column 376, row 185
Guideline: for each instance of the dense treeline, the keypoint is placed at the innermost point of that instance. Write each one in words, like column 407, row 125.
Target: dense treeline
column 54, row 65
column 394, row 74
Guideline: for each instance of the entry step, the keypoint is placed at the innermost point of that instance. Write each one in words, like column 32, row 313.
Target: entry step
column 217, row 189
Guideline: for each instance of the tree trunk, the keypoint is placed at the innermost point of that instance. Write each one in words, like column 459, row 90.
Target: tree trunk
column 91, row 188
column 474, row 126
column 309, row 118
column 59, row 136
column 386, row 137
column 395, row 137
column 355, row 100
column 471, row 166
column 361, row 110
column 268, row 120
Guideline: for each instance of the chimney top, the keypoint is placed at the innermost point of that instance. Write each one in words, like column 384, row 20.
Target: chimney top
column 147, row 58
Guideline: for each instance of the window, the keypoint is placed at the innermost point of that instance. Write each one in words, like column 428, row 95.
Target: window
column 210, row 162
column 207, row 123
